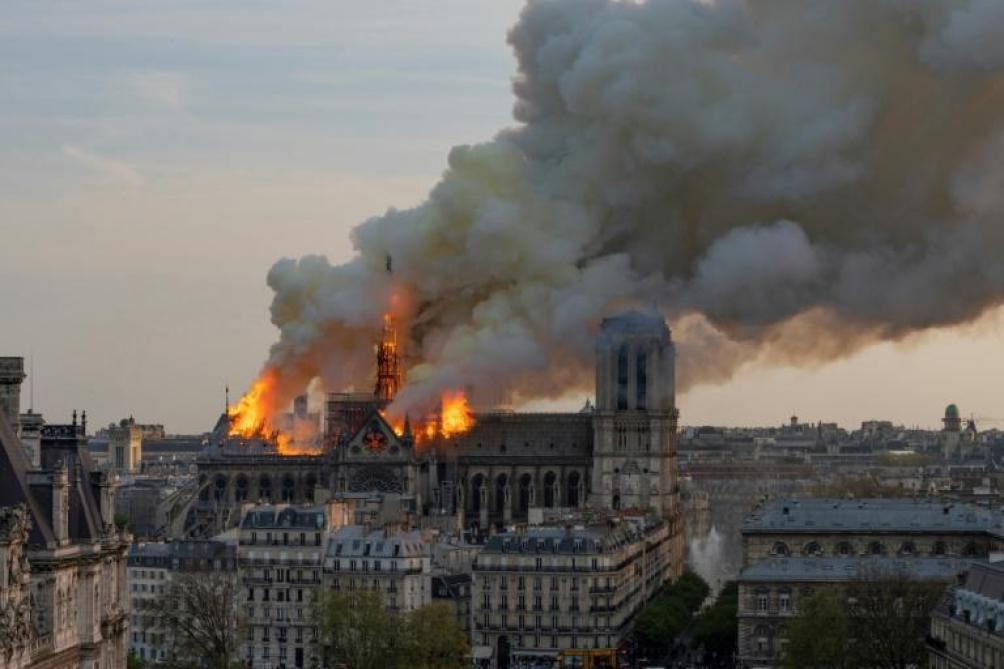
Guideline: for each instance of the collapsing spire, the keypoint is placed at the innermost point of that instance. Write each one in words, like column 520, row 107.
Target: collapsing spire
column 388, row 362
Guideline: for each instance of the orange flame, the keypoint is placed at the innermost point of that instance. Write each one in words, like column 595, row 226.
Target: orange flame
column 453, row 418
column 249, row 418
column 456, row 415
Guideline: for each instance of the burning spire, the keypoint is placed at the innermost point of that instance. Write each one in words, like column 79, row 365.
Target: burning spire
column 388, row 362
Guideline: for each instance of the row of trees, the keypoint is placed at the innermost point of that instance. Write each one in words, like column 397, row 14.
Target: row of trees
column 669, row 613
column 199, row 614
column 717, row 627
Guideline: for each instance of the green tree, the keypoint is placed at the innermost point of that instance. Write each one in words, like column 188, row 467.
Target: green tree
column 717, row 628
column 818, row 637
column 357, row 631
column 133, row 661
column 434, row 639
column 669, row 612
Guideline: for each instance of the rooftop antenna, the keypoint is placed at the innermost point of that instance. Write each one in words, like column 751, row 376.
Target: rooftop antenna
column 31, row 382
column 226, row 399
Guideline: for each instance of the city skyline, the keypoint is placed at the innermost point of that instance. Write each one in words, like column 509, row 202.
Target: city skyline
column 156, row 169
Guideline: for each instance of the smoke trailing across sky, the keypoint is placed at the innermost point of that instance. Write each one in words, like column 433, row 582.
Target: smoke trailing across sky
column 786, row 180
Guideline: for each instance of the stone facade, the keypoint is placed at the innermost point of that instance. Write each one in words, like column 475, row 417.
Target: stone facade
column 544, row 590
column 280, row 554
column 881, row 527
column 63, row 600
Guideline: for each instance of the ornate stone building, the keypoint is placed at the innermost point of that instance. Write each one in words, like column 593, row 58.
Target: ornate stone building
column 63, row 600
column 619, row 454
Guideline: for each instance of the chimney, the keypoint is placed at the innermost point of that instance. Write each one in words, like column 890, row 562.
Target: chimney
column 11, row 376
column 61, row 503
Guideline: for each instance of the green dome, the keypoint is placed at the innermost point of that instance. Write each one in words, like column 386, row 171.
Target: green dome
column 951, row 411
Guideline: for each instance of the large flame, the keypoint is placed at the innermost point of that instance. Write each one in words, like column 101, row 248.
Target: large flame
column 455, row 416
column 452, row 418
column 249, row 418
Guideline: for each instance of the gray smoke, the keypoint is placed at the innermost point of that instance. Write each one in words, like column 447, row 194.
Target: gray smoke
column 786, row 180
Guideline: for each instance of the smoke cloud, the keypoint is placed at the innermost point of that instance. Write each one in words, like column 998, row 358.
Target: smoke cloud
column 786, row 180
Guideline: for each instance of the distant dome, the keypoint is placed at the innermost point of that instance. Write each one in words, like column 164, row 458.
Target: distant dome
column 951, row 411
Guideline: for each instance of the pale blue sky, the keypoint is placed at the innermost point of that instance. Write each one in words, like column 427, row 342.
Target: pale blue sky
column 159, row 157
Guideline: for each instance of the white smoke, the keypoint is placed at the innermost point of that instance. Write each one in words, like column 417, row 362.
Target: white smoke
column 786, row 179
column 706, row 556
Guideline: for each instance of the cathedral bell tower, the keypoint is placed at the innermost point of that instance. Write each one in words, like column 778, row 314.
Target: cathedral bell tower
column 634, row 424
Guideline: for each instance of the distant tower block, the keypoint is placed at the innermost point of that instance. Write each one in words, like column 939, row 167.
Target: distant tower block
column 388, row 362
column 11, row 376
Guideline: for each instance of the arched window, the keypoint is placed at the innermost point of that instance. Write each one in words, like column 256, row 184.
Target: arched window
column 845, row 549
column 970, row 550
column 241, row 488
column 641, row 380
column 500, row 486
column 477, row 483
column 524, row 492
column 622, row 376
column 780, row 549
column 288, row 489
column 573, row 490
column 549, row 479
column 813, row 549
column 907, row 548
column 265, row 487
column 876, row 548
column 762, row 637
column 940, row 548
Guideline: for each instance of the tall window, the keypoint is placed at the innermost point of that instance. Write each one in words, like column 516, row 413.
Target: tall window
column 622, row 376
column 641, row 362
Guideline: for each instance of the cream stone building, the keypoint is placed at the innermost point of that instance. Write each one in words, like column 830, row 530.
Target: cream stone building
column 63, row 598
column 824, row 527
column 280, row 555
column 395, row 562
column 541, row 590
column 152, row 569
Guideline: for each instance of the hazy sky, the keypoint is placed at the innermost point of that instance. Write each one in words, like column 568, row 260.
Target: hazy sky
column 157, row 158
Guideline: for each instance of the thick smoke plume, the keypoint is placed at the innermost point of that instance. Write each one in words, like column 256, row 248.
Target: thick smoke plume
column 788, row 179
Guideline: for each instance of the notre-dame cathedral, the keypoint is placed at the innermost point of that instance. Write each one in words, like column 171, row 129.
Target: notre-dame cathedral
column 618, row 454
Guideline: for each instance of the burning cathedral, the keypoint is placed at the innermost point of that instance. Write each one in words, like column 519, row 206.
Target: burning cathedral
column 486, row 470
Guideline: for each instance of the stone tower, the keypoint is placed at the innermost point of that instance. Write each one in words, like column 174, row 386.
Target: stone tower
column 634, row 443
column 11, row 376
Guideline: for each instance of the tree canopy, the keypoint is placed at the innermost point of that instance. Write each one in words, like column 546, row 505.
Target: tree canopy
column 358, row 631
column 669, row 612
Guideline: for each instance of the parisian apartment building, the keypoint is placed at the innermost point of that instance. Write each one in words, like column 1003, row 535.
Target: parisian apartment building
column 544, row 589
column 152, row 570
column 967, row 628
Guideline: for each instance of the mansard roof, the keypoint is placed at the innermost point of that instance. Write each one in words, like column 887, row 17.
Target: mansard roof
column 871, row 515
column 14, row 488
